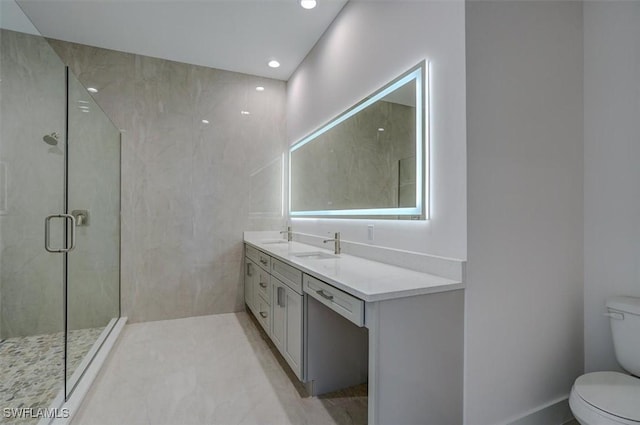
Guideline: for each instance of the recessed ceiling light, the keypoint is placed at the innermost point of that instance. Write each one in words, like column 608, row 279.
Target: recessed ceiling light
column 85, row 110
column 83, row 107
column 381, row 129
column 274, row 63
column 83, row 101
column 205, row 121
column 92, row 90
column 245, row 112
column 308, row 4
column 259, row 88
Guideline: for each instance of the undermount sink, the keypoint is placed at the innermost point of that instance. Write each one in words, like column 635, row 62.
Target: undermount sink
column 316, row 255
column 273, row 241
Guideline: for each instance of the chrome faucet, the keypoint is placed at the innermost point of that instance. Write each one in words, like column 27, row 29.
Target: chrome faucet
column 336, row 243
column 289, row 233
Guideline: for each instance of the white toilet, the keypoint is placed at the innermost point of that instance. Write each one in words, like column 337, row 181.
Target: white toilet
column 613, row 398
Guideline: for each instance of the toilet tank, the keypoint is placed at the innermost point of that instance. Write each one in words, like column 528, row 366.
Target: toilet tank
column 624, row 314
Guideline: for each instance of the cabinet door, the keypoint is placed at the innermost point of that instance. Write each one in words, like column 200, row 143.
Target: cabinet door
column 293, row 330
column 250, row 273
column 286, row 324
column 279, row 314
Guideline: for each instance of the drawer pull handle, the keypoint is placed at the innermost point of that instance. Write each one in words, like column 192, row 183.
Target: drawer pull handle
column 280, row 296
column 263, row 285
column 324, row 294
column 249, row 269
column 263, row 261
column 263, row 314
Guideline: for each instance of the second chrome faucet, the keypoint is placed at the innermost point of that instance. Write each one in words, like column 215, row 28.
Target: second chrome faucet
column 336, row 242
column 289, row 233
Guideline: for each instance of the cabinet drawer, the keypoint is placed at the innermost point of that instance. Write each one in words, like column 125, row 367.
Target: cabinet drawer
column 251, row 253
column 263, row 284
column 291, row 276
column 259, row 257
column 346, row 305
column 263, row 314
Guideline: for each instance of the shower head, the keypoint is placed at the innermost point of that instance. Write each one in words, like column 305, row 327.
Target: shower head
column 51, row 139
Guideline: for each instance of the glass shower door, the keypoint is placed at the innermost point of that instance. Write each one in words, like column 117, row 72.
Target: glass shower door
column 59, row 281
column 32, row 166
column 93, row 199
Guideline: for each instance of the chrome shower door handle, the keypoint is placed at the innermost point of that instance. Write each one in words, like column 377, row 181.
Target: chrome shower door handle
column 47, row 226
column 73, row 231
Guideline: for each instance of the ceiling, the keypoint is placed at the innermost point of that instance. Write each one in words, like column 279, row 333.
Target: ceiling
column 12, row 18
column 235, row 35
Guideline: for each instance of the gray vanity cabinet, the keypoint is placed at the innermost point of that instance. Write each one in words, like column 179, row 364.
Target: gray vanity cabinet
column 257, row 286
column 273, row 293
column 344, row 321
column 287, row 301
column 286, row 332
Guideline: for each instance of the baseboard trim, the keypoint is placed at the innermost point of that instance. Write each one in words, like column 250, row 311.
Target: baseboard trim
column 556, row 412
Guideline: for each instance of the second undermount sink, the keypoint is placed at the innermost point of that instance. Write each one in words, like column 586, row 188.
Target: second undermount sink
column 273, row 241
column 315, row 255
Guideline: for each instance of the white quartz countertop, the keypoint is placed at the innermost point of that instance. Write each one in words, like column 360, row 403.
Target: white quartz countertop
column 365, row 279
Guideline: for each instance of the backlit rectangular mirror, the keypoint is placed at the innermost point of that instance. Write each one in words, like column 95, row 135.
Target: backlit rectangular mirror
column 370, row 161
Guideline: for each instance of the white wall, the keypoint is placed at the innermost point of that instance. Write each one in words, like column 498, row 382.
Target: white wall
column 525, row 178
column 524, row 153
column 611, row 167
column 12, row 18
column 369, row 44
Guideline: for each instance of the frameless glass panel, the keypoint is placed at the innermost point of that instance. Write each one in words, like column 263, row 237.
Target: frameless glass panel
column 32, row 149
column 369, row 161
column 265, row 183
column 93, row 270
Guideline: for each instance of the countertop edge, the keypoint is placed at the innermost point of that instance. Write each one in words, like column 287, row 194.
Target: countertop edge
column 449, row 286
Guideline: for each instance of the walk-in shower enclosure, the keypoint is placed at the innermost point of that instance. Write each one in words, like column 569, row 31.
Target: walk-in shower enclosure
column 59, row 164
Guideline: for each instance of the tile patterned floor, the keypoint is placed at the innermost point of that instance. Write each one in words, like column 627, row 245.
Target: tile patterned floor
column 31, row 368
column 207, row 370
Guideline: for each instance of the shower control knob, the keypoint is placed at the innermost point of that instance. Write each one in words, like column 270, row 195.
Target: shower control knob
column 82, row 217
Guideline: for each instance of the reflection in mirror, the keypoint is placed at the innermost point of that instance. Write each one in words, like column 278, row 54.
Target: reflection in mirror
column 367, row 162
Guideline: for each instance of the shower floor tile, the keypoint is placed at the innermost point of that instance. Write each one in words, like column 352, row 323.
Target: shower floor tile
column 32, row 368
column 207, row 370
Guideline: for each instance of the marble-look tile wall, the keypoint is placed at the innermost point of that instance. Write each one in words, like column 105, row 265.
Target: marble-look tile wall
column 32, row 104
column 356, row 163
column 185, row 184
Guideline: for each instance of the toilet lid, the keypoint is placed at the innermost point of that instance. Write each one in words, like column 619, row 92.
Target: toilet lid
column 615, row 393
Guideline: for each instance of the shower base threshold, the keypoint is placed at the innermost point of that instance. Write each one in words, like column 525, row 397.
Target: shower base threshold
column 85, row 375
